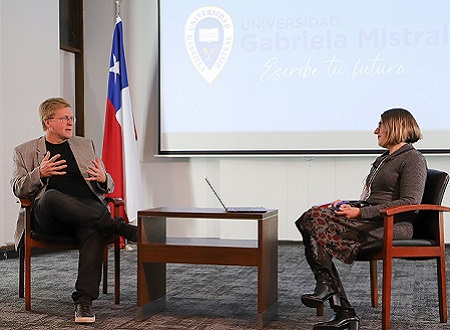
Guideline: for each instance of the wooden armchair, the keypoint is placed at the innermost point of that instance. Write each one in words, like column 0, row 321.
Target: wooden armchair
column 33, row 239
column 427, row 243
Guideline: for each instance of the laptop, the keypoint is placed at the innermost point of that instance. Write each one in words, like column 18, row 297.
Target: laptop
column 242, row 209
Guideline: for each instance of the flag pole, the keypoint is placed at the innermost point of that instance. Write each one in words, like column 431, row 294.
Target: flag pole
column 118, row 3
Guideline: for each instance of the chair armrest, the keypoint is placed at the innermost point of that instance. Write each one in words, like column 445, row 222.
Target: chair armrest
column 414, row 207
column 25, row 202
column 323, row 205
column 389, row 216
column 116, row 201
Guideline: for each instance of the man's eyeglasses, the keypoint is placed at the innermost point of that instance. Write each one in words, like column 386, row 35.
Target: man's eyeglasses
column 66, row 119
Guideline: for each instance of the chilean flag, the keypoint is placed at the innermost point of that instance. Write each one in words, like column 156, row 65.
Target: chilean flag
column 120, row 152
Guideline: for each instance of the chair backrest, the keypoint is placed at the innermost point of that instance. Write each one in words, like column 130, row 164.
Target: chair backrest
column 435, row 186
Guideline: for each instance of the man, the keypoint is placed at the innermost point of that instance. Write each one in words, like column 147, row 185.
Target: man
column 66, row 182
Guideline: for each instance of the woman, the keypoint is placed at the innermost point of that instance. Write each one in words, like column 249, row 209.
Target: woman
column 397, row 177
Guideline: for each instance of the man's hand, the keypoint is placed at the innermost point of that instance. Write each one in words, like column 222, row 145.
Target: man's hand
column 96, row 172
column 52, row 166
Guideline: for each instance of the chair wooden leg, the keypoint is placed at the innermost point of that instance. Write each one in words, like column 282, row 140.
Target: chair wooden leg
column 374, row 282
column 21, row 270
column 105, row 270
column 442, row 291
column 387, row 287
column 27, row 278
column 319, row 310
column 117, row 271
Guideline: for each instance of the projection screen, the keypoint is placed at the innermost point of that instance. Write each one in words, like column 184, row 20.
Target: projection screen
column 300, row 76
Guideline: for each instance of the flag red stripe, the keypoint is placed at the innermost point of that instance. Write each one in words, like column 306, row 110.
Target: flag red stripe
column 112, row 149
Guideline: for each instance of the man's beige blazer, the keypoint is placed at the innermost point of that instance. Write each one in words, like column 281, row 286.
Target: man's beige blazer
column 26, row 181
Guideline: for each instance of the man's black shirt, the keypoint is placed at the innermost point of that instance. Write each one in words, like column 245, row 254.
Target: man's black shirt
column 72, row 183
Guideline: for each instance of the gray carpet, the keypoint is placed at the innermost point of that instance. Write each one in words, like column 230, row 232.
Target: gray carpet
column 214, row 297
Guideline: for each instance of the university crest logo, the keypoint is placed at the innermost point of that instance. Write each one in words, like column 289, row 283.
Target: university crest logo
column 209, row 36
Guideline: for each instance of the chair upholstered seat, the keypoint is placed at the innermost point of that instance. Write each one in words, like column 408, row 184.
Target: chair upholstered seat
column 66, row 240
column 369, row 249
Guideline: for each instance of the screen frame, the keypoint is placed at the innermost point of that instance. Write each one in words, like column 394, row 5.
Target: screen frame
column 161, row 151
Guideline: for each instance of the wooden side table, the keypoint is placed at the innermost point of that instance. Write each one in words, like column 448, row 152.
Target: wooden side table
column 155, row 249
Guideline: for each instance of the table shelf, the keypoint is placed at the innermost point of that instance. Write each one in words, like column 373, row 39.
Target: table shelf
column 201, row 241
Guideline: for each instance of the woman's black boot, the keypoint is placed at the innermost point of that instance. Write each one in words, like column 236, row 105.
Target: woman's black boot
column 344, row 318
column 322, row 292
column 322, row 266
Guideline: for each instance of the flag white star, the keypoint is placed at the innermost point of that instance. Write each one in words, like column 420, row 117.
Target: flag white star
column 115, row 68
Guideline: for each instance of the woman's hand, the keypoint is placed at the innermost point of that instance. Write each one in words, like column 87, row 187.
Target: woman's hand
column 343, row 208
column 338, row 203
column 348, row 211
